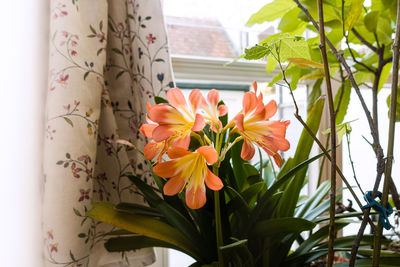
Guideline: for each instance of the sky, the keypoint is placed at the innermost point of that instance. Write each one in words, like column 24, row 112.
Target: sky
column 231, row 13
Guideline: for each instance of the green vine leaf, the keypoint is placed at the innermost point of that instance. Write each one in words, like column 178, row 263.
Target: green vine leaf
column 271, row 11
column 256, row 52
column 354, row 14
column 68, row 121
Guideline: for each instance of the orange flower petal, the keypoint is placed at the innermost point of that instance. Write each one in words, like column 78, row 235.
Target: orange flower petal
column 278, row 159
column 196, row 99
column 222, row 110
column 199, row 123
column 270, row 109
column 182, row 142
column 165, row 169
column 213, row 97
column 239, row 121
column 162, row 132
column 152, row 149
column 247, row 151
column 177, row 152
column 278, row 128
column 176, row 98
column 148, row 105
column 159, row 113
column 147, row 129
column 255, row 86
column 174, row 186
column 196, row 197
column 209, row 153
column 213, row 182
column 249, row 102
column 280, row 143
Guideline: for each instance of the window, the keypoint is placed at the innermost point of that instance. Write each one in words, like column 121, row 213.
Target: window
column 205, row 38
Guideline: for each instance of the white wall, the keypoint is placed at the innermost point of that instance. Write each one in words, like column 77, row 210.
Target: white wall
column 23, row 54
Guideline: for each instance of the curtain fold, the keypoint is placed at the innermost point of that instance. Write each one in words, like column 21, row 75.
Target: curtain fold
column 107, row 59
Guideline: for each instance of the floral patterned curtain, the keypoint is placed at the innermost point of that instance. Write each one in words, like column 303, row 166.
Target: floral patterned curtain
column 107, row 59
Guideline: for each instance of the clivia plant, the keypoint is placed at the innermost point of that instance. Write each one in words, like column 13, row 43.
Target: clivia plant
column 210, row 202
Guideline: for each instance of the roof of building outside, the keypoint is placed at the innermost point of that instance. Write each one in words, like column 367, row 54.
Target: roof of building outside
column 199, row 37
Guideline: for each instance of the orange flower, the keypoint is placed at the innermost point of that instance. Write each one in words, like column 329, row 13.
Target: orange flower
column 152, row 149
column 253, row 124
column 212, row 110
column 189, row 169
column 177, row 120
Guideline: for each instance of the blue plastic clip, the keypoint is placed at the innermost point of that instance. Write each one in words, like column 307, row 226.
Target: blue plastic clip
column 384, row 213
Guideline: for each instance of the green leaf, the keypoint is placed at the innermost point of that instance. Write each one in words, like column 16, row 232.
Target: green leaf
column 240, row 249
column 92, row 29
column 119, row 74
column 237, row 165
column 68, row 121
column 274, row 226
column 85, row 75
column 383, row 262
column 152, row 228
column 159, row 60
column 354, row 13
column 160, row 100
column 314, row 200
column 271, row 11
column 342, row 100
column 119, row 244
column 77, row 213
column 397, row 106
column 171, row 214
column 293, row 47
column 256, row 52
column 251, row 193
column 263, row 202
column 315, row 94
column 384, row 30
column 271, row 64
column 72, row 256
column 290, row 196
column 117, row 51
column 276, row 79
column 237, row 202
column 384, row 75
column 137, row 209
column 290, row 21
column 371, row 21
column 313, row 240
column 362, row 77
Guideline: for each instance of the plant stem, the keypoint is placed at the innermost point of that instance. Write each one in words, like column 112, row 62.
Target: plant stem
column 392, row 121
column 218, row 225
column 332, row 194
column 320, row 145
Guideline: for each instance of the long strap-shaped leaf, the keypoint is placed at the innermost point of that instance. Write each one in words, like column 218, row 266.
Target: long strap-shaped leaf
column 173, row 216
column 264, row 200
column 275, row 226
column 146, row 226
column 126, row 243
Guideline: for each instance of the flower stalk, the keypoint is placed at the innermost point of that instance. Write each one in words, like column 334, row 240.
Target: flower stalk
column 218, row 224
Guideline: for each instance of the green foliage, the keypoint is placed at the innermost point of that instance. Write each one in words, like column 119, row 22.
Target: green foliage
column 260, row 210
